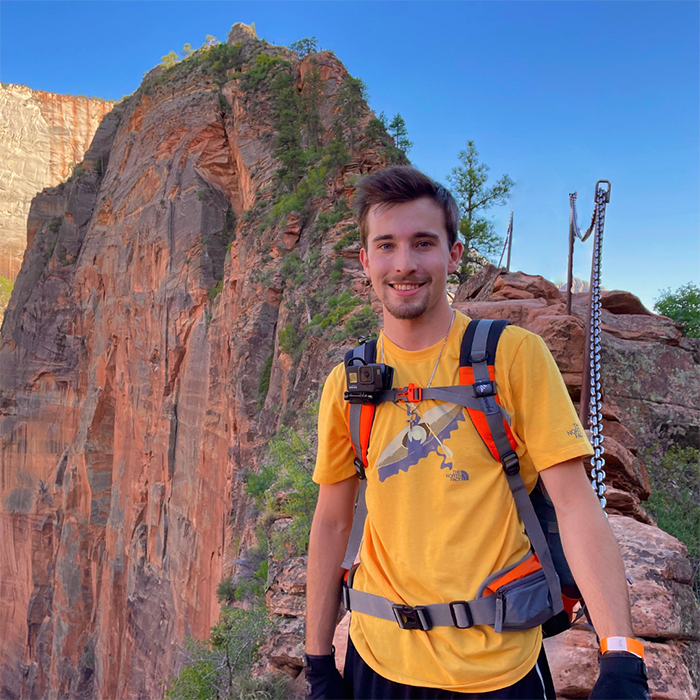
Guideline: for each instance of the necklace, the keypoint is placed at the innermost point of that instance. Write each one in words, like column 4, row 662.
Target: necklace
column 412, row 411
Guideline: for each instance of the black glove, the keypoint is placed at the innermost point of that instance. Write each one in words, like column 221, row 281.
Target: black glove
column 323, row 681
column 623, row 676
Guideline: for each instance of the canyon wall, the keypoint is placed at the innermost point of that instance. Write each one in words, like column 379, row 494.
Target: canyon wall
column 42, row 137
column 163, row 286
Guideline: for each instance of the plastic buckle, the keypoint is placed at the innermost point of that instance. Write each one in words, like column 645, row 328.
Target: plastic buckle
column 511, row 463
column 416, row 618
column 360, row 469
column 484, row 388
column 411, row 393
column 463, row 612
column 345, row 594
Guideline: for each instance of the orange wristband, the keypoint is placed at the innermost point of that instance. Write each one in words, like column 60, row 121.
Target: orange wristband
column 622, row 644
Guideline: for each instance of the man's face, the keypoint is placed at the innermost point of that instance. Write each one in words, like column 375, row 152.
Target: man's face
column 408, row 257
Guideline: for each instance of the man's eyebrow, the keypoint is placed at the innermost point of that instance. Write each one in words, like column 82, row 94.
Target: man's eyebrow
column 417, row 234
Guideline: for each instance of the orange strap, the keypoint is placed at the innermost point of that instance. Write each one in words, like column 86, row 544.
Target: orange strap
column 633, row 646
column 366, row 420
column 529, row 566
column 466, row 376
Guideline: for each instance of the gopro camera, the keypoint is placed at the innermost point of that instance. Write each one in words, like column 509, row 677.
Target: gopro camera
column 366, row 381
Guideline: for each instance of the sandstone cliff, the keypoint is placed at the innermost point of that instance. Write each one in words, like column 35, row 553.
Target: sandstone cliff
column 42, row 137
column 147, row 304
column 160, row 286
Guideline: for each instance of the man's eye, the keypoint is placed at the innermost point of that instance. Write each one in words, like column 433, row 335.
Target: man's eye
column 425, row 244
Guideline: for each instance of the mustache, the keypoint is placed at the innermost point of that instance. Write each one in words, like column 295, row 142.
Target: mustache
column 408, row 281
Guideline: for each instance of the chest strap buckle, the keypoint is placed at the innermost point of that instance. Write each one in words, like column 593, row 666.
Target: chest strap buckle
column 411, row 393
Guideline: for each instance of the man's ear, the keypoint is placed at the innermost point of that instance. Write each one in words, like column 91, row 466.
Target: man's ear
column 455, row 256
column 364, row 261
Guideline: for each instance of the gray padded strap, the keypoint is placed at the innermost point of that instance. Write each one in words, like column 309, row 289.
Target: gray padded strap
column 517, row 486
column 482, row 610
column 355, row 413
column 537, row 538
column 481, row 337
column 358, row 527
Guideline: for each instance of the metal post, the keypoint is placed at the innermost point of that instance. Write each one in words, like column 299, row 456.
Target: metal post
column 510, row 241
column 570, row 272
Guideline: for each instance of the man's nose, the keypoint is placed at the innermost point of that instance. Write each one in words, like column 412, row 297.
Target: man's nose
column 405, row 260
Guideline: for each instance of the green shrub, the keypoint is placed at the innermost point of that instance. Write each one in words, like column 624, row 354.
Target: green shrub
column 683, row 306
column 216, row 290
column 352, row 236
column 6, row 287
column 293, row 269
column 337, row 270
column 221, row 665
column 363, row 323
column 225, row 591
column 55, row 224
column 257, row 73
column 264, row 380
column 291, row 459
column 219, row 59
column 675, row 499
column 291, row 342
column 337, row 308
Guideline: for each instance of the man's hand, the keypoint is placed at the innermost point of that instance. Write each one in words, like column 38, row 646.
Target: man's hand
column 323, row 681
column 622, row 677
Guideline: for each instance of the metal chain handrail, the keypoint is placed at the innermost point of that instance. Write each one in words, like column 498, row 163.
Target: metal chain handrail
column 592, row 387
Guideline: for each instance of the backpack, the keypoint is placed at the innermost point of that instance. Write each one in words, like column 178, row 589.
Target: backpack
column 537, row 590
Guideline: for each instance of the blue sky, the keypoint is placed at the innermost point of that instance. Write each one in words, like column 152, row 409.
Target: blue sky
column 556, row 94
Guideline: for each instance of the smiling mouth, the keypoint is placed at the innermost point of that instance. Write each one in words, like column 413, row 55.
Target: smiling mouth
column 405, row 286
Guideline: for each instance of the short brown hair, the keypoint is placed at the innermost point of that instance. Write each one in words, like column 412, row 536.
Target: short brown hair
column 398, row 184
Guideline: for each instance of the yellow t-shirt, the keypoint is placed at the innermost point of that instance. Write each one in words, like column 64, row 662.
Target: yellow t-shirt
column 441, row 517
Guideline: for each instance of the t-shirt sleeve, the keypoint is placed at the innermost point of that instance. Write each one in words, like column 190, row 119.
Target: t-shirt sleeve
column 546, row 420
column 335, row 456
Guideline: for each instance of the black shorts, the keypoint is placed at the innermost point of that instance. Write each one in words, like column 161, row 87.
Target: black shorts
column 368, row 685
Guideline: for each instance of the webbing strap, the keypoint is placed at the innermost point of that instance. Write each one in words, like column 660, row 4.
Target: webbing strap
column 480, row 611
column 367, row 353
column 358, row 527
column 354, row 421
column 457, row 395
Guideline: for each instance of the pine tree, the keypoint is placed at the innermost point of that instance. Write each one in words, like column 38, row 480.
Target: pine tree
column 469, row 188
column 399, row 132
column 288, row 117
column 352, row 97
column 304, row 47
column 311, row 94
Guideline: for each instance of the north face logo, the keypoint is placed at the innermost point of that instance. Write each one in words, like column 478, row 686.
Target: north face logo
column 457, row 475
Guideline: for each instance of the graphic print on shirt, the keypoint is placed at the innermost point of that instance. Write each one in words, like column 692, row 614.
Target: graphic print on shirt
column 421, row 439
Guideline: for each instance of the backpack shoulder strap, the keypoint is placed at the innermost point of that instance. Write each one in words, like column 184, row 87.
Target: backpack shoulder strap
column 477, row 358
column 476, row 368
column 361, row 416
column 360, row 420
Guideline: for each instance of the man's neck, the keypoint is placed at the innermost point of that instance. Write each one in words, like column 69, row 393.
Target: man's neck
column 419, row 333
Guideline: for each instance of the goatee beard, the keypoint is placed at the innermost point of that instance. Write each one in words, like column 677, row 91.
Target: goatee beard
column 407, row 310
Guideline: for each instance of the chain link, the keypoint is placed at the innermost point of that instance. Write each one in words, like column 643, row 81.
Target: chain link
column 595, row 413
column 594, row 350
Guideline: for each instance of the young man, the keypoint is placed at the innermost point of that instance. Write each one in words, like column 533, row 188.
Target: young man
column 441, row 517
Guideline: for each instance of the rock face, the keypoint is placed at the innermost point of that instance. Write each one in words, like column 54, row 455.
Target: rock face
column 158, row 289
column 148, row 303
column 42, row 137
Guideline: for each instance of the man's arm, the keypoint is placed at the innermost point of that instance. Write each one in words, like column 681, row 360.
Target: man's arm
column 327, row 543
column 590, row 548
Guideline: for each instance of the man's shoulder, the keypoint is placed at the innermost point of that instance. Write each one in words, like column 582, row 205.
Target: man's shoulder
column 336, row 378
